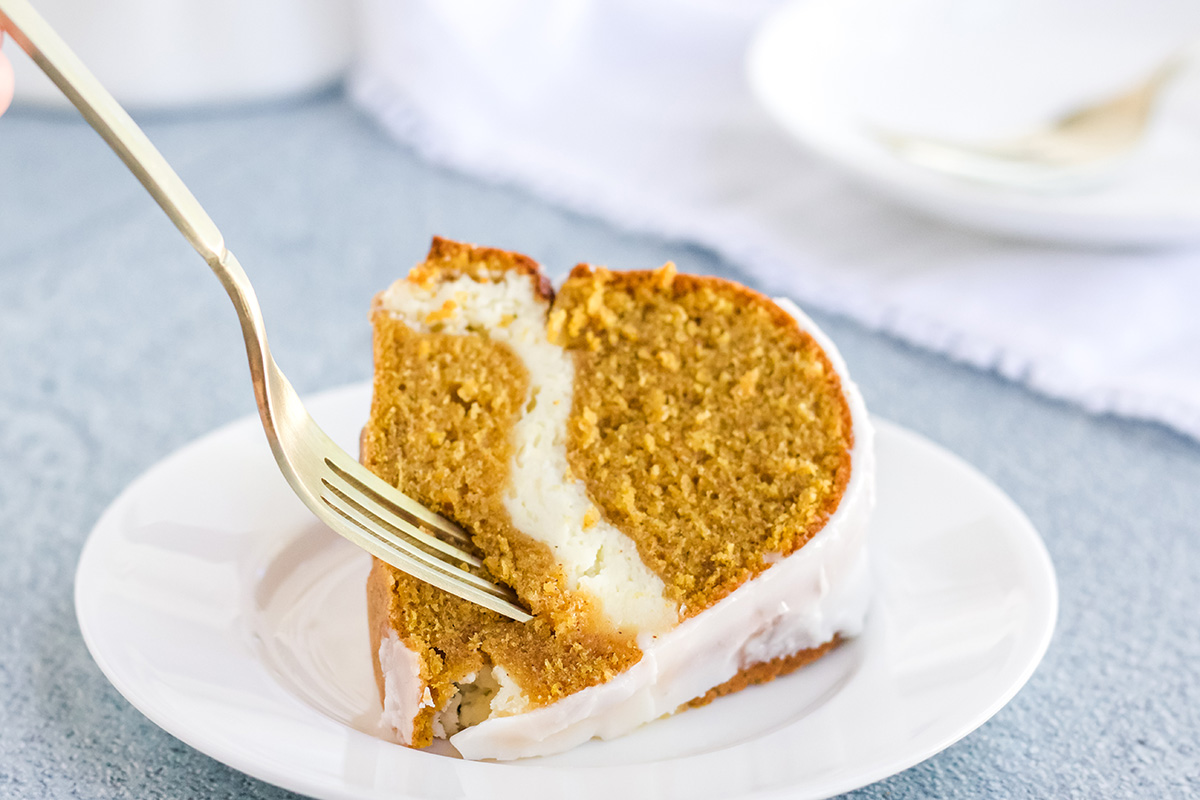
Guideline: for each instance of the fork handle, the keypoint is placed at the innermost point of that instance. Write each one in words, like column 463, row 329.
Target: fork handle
column 105, row 114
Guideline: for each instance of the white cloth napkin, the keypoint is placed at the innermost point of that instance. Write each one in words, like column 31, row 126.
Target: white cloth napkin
column 638, row 111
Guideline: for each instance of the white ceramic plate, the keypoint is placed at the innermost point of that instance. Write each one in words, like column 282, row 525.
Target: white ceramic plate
column 219, row 608
column 828, row 70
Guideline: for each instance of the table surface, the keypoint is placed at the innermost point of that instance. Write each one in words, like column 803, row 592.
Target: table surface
column 117, row 347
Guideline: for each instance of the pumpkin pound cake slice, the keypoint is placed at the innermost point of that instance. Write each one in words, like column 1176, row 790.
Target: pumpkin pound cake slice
column 674, row 473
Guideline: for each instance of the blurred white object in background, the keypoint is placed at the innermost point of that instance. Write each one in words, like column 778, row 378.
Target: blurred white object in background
column 160, row 54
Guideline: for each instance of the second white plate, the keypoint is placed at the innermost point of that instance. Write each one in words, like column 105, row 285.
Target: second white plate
column 219, row 608
column 829, row 70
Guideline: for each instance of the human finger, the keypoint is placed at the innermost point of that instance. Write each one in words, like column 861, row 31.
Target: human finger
column 6, row 80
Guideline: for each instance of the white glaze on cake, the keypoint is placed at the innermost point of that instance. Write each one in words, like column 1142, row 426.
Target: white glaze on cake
column 800, row 602
column 403, row 692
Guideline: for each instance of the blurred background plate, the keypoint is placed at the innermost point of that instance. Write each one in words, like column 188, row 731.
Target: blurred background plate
column 829, row 71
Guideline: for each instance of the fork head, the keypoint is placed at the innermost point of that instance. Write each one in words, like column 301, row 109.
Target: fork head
column 371, row 513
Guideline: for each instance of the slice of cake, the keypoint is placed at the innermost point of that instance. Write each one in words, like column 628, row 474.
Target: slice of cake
column 673, row 472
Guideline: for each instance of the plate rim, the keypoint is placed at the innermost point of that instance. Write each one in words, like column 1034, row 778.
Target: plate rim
column 324, row 786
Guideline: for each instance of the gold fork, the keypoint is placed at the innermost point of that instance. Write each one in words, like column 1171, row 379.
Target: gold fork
column 343, row 494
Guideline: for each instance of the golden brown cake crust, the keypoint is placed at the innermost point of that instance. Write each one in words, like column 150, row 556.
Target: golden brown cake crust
column 448, row 259
column 765, row 672
column 706, row 424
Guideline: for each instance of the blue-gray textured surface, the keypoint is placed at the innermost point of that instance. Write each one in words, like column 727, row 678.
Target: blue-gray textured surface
column 117, row 346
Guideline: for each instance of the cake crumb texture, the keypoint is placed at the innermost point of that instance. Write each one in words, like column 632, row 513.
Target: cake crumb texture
column 706, row 424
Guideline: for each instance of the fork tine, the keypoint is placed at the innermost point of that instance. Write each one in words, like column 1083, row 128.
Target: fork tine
column 428, row 567
column 403, row 528
column 382, row 520
column 354, row 513
column 397, row 524
column 387, row 496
